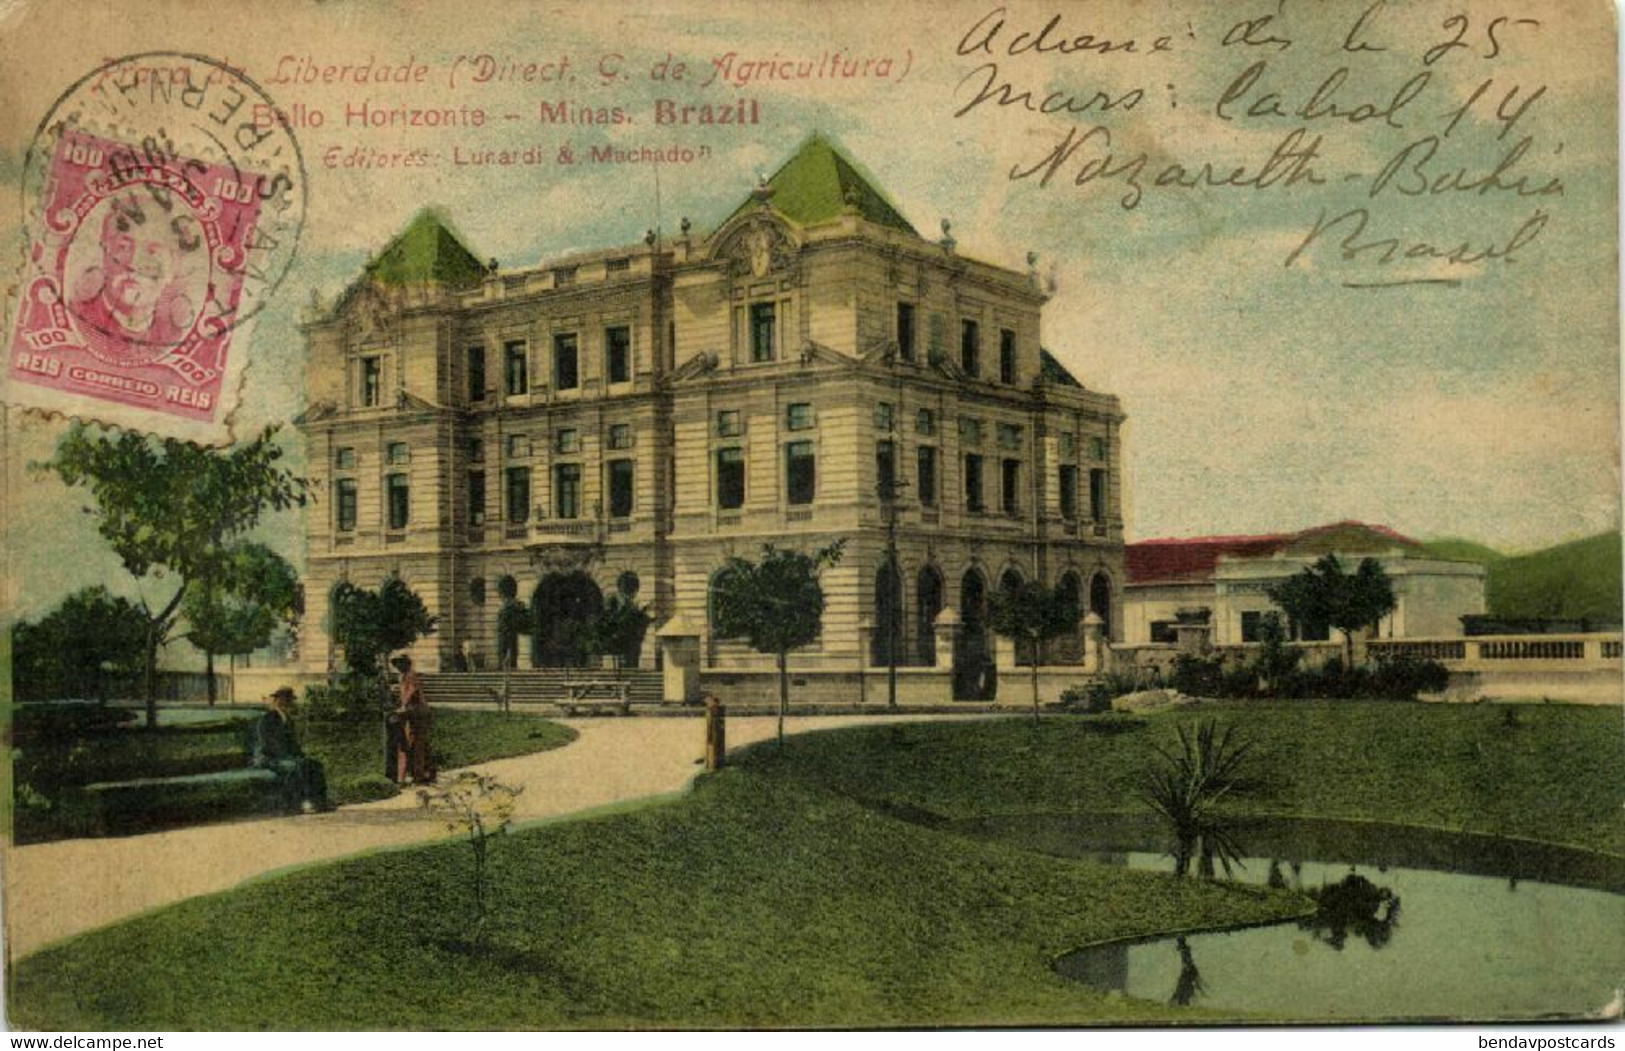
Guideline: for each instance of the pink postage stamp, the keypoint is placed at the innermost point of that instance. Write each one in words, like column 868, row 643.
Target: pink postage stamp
column 135, row 277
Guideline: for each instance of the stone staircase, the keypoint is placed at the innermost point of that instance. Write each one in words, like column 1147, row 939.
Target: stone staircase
column 533, row 686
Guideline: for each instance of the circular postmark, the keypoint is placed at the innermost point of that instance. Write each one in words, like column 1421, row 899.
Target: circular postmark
column 164, row 196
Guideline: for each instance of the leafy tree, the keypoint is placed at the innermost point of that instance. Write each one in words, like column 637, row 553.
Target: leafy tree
column 370, row 625
column 72, row 648
column 619, row 629
column 1033, row 614
column 239, row 603
column 776, row 605
column 513, row 620
column 168, row 508
column 1325, row 593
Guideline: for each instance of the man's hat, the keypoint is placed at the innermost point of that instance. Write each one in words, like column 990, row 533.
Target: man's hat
column 284, row 693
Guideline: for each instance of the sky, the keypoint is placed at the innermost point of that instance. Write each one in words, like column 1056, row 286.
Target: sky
column 1261, row 397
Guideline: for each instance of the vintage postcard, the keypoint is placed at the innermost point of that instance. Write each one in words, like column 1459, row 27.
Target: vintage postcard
column 775, row 515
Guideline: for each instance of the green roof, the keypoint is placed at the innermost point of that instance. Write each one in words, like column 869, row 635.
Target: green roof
column 1055, row 372
column 426, row 251
column 813, row 186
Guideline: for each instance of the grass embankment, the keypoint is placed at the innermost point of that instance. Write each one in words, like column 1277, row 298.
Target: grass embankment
column 779, row 894
column 1554, row 775
column 750, row 902
column 51, row 772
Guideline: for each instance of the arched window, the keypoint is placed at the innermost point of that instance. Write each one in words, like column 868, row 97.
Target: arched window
column 927, row 604
column 1100, row 601
column 888, row 623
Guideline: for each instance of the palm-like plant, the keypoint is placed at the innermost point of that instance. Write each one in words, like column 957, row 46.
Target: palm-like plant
column 1188, row 786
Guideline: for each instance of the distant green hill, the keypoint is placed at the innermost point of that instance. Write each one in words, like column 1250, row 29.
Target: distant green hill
column 1462, row 550
column 1573, row 580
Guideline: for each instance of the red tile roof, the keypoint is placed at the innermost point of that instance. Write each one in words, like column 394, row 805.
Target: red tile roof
column 1193, row 559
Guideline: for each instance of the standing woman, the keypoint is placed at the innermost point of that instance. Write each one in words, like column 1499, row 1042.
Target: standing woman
column 415, row 760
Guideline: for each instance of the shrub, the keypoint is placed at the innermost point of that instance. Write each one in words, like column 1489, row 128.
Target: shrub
column 1406, row 678
column 62, row 721
column 1198, row 676
column 351, row 700
column 363, row 788
column 1090, row 699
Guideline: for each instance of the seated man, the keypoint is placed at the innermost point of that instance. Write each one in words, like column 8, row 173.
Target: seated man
column 276, row 748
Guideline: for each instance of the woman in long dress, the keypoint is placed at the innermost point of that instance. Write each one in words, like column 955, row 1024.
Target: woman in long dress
column 414, row 760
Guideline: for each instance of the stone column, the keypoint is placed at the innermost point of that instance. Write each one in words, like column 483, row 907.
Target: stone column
column 1094, row 643
column 680, row 656
column 1194, row 630
column 946, row 628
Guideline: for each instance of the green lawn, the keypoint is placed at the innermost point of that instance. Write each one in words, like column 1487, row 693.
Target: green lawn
column 785, row 891
column 353, row 754
column 1555, row 776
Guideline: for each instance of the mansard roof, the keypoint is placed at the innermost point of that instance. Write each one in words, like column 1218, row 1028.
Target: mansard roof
column 427, row 251
column 816, row 183
column 1050, row 367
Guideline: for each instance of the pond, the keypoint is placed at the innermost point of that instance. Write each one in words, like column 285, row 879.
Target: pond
column 1411, row 924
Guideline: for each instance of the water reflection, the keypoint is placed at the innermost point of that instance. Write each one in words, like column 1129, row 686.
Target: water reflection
column 1355, row 906
column 1188, row 986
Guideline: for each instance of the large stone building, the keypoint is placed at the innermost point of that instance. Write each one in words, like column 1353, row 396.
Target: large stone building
column 631, row 417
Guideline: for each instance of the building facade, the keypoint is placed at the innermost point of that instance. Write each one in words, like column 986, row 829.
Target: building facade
column 626, row 419
column 1228, row 579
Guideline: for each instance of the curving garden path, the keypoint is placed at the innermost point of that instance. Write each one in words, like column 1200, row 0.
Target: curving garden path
column 54, row 890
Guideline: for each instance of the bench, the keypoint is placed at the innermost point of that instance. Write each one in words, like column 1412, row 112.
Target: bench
column 595, row 696
column 161, row 802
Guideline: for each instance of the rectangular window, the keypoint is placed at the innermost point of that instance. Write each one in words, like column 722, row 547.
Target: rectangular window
column 925, row 422
column 1068, row 443
column 973, row 483
column 567, row 490
column 925, row 475
column 476, row 498
column 798, row 416
column 1068, row 482
column 763, row 325
column 398, row 453
column 885, row 419
column 566, row 362
column 1250, row 621
column 476, row 373
column 938, row 336
column 1097, row 448
column 970, row 347
column 728, row 425
column 372, row 376
column 620, row 436
column 344, row 459
column 518, row 446
column 346, row 504
column 1007, row 356
column 476, row 450
column 518, row 484
column 516, row 369
column 400, row 503
column 886, row 470
column 1097, row 495
column 1163, row 631
column 1009, row 436
column 970, row 430
column 618, row 354
column 620, row 488
column 730, row 479
column 905, row 330
column 568, row 440
column 800, row 473
column 1010, row 490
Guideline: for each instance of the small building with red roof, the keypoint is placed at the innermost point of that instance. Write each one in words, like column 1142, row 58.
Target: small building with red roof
column 1229, row 578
